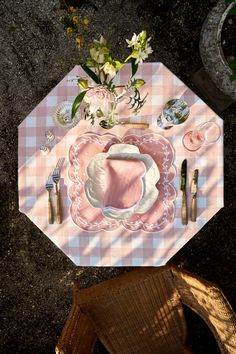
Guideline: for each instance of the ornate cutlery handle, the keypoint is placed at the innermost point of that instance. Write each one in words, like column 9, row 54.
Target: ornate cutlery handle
column 194, row 209
column 50, row 211
column 136, row 125
column 58, row 208
column 184, row 210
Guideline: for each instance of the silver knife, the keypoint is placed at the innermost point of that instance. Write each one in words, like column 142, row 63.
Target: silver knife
column 184, row 210
column 194, row 187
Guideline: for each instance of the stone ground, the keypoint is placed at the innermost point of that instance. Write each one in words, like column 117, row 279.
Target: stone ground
column 35, row 56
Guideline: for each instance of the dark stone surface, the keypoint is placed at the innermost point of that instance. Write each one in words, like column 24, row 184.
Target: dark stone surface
column 35, row 56
column 209, row 92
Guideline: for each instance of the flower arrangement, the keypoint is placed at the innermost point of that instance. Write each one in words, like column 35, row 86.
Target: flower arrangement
column 100, row 94
column 75, row 25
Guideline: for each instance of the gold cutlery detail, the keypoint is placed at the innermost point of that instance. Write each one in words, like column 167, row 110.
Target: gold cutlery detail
column 49, row 187
column 55, row 176
column 56, row 179
column 194, row 187
column 104, row 124
column 183, row 180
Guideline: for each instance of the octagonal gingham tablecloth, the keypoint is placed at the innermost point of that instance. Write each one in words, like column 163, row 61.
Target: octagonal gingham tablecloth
column 119, row 247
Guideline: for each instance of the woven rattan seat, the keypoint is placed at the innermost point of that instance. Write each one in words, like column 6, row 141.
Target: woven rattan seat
column 141, row 312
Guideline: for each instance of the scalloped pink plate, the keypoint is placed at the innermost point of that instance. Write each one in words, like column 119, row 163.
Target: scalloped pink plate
column 91, row 219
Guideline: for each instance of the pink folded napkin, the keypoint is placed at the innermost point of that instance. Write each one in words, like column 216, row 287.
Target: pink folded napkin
column 123, row 182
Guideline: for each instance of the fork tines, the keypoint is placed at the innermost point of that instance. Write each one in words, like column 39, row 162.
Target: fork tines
column 60, row 163
column 49, row 182
column 49, row 187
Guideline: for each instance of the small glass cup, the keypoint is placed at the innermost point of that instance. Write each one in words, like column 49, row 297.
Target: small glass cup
column 175, row 112
column 44, row 149
column 204, row 134
column 49, row 135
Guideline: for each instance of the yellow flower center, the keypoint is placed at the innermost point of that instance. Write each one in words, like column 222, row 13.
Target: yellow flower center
column 78, row 42
column 69, row 30
column 71, row 9
column 86, row 21
column 75, row 19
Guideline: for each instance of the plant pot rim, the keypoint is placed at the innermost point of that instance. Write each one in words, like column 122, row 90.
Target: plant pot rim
column 211, row 51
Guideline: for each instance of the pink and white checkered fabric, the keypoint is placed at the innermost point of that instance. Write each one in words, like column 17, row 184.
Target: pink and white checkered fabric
column 119, row 247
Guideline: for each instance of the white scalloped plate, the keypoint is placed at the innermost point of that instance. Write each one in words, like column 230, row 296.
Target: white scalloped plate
column 95, row 185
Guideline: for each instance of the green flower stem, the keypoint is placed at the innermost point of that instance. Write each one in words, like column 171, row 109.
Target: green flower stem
column 111, row 119
column 97, row 71
column 129, row 57
column 105, row 77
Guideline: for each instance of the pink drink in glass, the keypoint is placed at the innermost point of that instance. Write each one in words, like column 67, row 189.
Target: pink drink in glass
column 204, row 134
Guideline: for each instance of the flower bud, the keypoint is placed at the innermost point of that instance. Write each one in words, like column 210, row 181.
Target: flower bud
column 83, row 84
column 139, row 83
column 69, row 30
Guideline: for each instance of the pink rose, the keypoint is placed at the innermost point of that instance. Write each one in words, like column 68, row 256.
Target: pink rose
column 99, row 98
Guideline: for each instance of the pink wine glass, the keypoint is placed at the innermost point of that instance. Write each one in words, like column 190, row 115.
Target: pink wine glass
column 204, row 134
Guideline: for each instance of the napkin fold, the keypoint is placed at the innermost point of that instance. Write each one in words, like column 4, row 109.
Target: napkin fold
column 123, row 182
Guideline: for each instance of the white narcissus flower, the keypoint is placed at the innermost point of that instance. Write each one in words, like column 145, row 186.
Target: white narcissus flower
column 141, row 55
column 148, row 49
column 141, row 47
column 99, row 99
column 142, row 37
column 134, row 42
column 109, row 69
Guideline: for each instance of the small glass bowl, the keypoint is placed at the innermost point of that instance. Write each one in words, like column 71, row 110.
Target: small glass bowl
column 62, row 115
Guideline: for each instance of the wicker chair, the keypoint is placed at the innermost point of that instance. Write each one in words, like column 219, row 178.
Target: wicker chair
column 141, row 312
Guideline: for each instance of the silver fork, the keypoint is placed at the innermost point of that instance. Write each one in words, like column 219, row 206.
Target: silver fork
column 56, row 178
column 49, row 187
column 60, row 163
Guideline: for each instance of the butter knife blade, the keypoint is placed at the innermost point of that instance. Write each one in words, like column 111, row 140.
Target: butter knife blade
column 184, row 210
column 183, row 175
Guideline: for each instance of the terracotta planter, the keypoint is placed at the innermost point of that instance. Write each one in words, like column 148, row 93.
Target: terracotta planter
column 211, row 51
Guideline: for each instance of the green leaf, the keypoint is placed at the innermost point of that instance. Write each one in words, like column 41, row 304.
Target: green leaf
column 134, row 66
column 91, row 63
column 233, row 77
column 118, row 64
column 232, row 11
column 108, row 59
column 232, row 65
column 77, row 103
column 66, row 20
column 91, row 74
column 229, row 1
column 69, row 23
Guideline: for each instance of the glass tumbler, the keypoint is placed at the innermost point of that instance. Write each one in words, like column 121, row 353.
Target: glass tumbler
column 175, row 112
column 204, row 134
column 49, row 135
